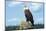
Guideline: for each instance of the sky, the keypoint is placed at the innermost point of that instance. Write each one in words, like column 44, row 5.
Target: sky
column 15, row 12
column 27, row 0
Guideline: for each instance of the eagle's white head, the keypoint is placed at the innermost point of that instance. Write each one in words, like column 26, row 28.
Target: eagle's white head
column 26, row 7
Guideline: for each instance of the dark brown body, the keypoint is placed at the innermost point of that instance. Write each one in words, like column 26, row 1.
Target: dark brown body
column 29, row 16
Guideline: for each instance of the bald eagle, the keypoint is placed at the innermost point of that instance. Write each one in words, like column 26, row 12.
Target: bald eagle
column 29, row 16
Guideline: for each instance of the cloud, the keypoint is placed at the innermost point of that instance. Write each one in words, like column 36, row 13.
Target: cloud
column 33, row 0
column 39, row 21
column 13, row 3
column 13, row 19
column 35, row 6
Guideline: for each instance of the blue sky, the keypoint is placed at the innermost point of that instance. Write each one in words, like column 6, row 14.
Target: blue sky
column 15, row 12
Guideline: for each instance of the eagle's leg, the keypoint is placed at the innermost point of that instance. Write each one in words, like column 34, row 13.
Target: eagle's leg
column 32, row 22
